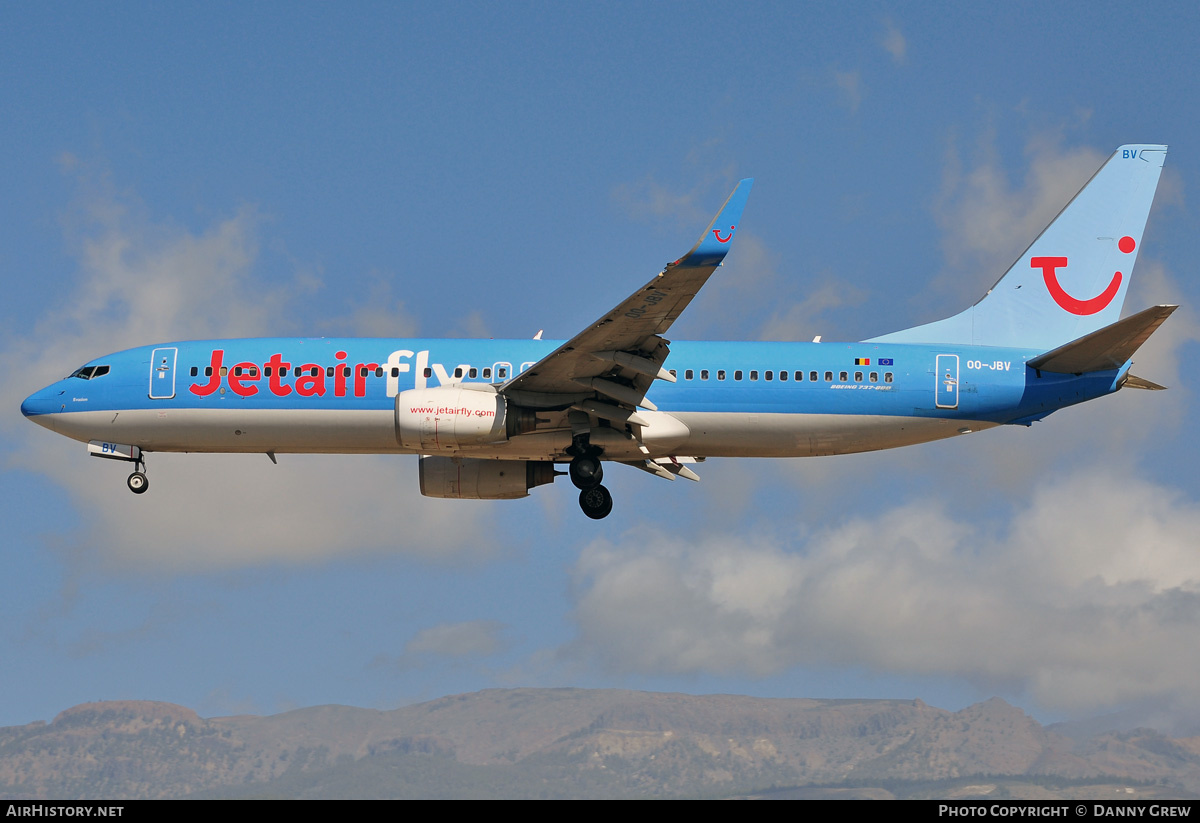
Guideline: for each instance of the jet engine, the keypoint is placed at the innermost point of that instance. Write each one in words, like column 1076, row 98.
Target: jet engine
column 465, row 478
column 446, row 418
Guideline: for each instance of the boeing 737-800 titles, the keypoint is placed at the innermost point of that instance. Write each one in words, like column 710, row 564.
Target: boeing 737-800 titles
column 491, row 419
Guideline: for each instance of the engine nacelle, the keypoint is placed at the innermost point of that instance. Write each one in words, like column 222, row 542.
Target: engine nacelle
column 447, row 418
column 466, row 478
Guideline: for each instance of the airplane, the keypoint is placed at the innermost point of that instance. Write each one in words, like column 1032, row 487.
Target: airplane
column 492, row 419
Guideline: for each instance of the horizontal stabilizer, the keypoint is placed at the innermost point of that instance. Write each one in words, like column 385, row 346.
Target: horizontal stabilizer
column 1105, row 349
column 1132, row 381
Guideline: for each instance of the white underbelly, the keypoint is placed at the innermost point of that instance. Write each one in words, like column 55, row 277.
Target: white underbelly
column 372, row 431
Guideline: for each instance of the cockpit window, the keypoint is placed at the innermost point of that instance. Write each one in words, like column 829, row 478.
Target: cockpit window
column 85, row 373
column 91, row 372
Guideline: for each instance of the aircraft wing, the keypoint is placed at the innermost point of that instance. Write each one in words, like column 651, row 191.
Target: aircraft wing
column 621, row 354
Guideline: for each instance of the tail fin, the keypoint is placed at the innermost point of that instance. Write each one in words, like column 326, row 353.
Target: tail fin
column 1072, row 280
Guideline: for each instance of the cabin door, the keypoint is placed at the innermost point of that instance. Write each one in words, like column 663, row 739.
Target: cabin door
column 946, row 373
column 162, row 373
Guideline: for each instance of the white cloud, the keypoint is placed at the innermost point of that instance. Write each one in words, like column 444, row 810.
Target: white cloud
column 733, row 296
column 468, row 639
column 850, row 84
column 648, row 198
column 801, row 321
column 380, row 313
column 212, row 512
column 988, row 220
column 141, row 282
column 1090, row 599
column 894, row 43
column 710, row 180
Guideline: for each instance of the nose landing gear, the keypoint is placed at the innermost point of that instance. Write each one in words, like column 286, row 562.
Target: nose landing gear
column 138, row 482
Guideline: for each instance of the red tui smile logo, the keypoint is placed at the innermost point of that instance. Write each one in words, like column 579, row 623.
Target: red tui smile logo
column 1073, row 304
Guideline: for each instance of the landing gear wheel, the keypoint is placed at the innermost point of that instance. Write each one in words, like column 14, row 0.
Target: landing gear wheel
column 596, row 502
column 138, row 483
column 586, row 472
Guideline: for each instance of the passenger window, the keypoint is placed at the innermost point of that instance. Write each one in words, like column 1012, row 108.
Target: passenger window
column 887, row 377
column 737, row 375
column 799, row 376
column 673, row 373
column 828, row 377
column 501, row 373
column 428, row 372
column 782, row 374
column 687, row 375
column 754, row 374
column 346, row 371
column 473, row 373
column 296, row 372
column 704, row 374
column 395, row 371
column 858, row 377
column 770, row 375
column 720, row 374
column 843, row 377
column 208, row 371
column 458, row 371
column 874, row 377
column 812, row 375
column 328, row 372
column 237, row 370
column 195, row 371
column 379, row 371
column 224, row 371
column 487, row 373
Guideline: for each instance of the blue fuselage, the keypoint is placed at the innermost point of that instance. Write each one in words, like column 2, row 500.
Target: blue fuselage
column 736, row 398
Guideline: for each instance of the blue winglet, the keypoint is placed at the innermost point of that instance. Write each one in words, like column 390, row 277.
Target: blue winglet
column 710, row 250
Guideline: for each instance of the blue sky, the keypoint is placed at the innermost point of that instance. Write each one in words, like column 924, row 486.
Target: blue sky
column 196, row 170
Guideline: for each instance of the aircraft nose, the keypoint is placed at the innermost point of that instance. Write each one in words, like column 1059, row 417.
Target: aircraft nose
column 41, row 402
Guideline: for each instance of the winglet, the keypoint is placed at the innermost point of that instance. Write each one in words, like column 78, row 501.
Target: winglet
column 712, row 246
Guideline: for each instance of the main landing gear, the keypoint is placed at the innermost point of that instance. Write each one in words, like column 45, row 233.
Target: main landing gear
column 596, row 502
column 586, row 472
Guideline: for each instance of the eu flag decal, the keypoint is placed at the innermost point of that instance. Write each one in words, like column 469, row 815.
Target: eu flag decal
column 885, row 361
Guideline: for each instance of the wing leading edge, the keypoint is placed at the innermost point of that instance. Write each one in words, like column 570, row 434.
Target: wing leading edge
column 614, row 361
